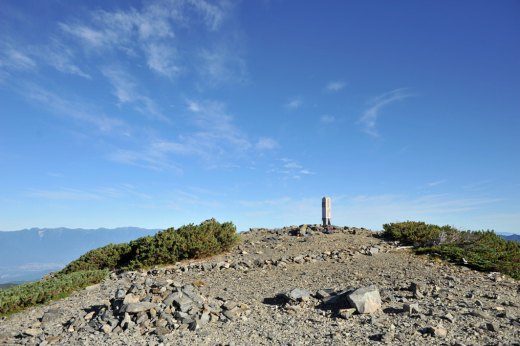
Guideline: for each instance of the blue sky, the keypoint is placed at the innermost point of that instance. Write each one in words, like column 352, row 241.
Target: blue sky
column 162, row 113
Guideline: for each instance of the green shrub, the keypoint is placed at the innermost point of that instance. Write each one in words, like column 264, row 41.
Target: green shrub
column 110, row 257
column 483, row 250
column 17, row 298
column 165, row 247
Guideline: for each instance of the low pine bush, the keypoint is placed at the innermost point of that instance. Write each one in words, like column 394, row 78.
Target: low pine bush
column 483, row 250
column 17, row 298
column 165, row 247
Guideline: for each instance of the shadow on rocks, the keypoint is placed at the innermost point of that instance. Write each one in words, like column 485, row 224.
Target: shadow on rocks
column 279, row 300
column 335, row 302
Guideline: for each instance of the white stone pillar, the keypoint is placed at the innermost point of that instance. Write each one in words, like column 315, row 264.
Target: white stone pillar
column 326, row 210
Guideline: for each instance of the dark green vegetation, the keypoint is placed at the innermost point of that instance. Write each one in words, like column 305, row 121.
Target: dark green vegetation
column 166, row 247
column 483, row 250
column 19, row 297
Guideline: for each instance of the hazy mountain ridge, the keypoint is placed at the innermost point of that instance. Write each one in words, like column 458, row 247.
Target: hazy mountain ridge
column 510, row 236
column 30, row 253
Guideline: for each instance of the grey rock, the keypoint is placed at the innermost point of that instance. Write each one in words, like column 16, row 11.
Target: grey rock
column 492, row 327
column 120, row 293
column 366, row 300
column 32, row 332
column 416, row 290
column 320, row 294
column 299, row 259
column 183, row 302
column 162, row 330
column 411, row 308
column 51, row 315
column 232, row 314
column 130, row 299
column 373, row 251
column 138, row 307
column 297, row 294
column 439, row 331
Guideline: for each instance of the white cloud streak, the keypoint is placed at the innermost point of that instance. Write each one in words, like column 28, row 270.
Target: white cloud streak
column 211, row 136
column 77, row 110
column 370, row 116
column 14, row 59
column 335, row 86
column 151, row 32
column 291, row 169
column 294, row 103
column 126, row 91
column 64, row 195
column 327, row 119
column 266, row 144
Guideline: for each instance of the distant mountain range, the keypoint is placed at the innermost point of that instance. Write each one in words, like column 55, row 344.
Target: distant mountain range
column 29, row 254
column 508, row 236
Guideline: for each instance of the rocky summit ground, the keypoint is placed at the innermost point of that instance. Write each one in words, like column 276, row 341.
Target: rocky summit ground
column 291, row 286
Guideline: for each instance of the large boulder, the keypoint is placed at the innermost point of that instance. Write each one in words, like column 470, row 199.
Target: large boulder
column 366, row 300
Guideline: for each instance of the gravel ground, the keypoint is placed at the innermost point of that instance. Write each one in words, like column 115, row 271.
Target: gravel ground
column 425, row 301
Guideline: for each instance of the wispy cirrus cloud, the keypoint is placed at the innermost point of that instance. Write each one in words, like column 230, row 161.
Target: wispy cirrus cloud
column 436, row 183
column 74, row 109
column 335, row 86
column 266, row 143
column 221, row 65
column 371, row 115
column 61, row 57
column 94, row 194
column 214, row 134
column 153, row 32
column 291, row 169
column 64, row 194
column 15, row 59
column 211, row 135
column 294, row 103
column 327, row 119
column 126, row 91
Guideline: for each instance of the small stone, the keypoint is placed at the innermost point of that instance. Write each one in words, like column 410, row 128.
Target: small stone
column 32, row 332
column 416, row 290
column 51, row 315
column 89, row 316
column 138, row 307
column 411, row 308
column 130, row 299
column 373, row 251
column 120, row 293
column 107, row 328
column 299, row 259
column 231, row 314
column 491, row 327
column 439, row 331
column 162, row 330
column 229, row 305
column 346, row 313
column 298, row 294
column 449, row 317
column 53, row 339
column 320, row 294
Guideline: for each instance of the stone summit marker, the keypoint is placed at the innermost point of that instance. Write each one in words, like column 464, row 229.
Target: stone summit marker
column 325, row 210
